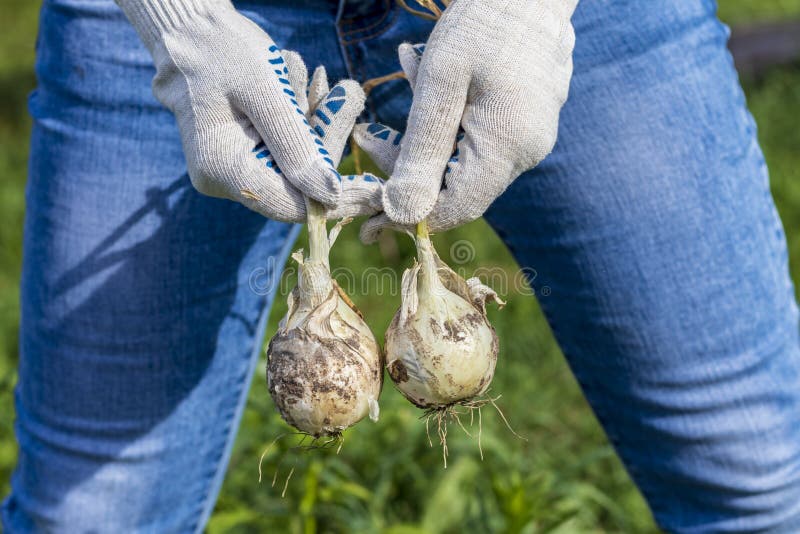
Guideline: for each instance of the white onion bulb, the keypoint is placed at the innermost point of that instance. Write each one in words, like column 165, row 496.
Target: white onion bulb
column 325, row 369
column 441, row 349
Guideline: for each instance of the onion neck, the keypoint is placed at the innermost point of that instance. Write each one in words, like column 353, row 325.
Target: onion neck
column 318, row 244
column 428, row 281
column 314, row 281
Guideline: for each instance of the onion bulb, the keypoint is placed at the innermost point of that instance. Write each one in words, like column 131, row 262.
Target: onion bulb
column 441, row 350
column 325, row 369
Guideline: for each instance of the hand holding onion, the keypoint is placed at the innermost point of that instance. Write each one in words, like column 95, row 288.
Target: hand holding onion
column 325, row 369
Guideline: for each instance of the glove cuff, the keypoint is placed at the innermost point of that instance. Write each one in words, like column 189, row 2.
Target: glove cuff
column 153, row 19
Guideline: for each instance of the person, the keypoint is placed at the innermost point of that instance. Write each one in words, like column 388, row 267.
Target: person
column 651, row 220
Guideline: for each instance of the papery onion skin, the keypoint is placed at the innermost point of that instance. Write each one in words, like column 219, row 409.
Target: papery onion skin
column 457, row 367
column 324, row 369
column 322, row 383
column 441, row 349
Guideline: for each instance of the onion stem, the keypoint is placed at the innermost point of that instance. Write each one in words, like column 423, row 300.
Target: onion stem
column 318, row 245
column 428, row 279
column 422, row 229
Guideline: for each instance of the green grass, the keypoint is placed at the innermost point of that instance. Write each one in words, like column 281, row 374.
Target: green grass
column 16, row 80
column 744, row 11
column 564, row 478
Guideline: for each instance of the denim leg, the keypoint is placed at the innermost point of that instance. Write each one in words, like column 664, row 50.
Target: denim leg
column 653, row 228
column 306, row 26
column 370, row 32
column 143, row 302
column 661, row 263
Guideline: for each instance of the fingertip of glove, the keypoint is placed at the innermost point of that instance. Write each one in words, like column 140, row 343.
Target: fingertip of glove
column 404, row 203
column 295, row 56
column 260, row 201
column 353, row 90
column 370, row 230
column 323, row 184
column 333, row 182
column 411, row 49
column 320, row 77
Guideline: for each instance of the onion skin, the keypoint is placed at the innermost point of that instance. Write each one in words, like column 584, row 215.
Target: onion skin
column 326, row 374
column 441, row 349
column 455, row 368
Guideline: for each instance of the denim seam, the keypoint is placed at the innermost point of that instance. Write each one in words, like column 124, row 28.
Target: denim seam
column 348, row 64
column 387, row 9
column 388, row 26
column 213, row 489
column 350, row 22
column 4, row 519
column 653, row 499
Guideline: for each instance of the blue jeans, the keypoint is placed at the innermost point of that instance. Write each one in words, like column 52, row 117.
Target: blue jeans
column 651, row 222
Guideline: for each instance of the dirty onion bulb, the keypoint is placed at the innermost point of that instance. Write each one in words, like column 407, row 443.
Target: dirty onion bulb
column 441, row 349
column 325, row 369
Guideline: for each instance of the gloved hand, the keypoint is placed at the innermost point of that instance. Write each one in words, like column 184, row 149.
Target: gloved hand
column 499, row 70
column 331, row 114
column 242, row 121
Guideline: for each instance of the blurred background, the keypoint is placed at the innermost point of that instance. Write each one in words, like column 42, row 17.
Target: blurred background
column 564, row 478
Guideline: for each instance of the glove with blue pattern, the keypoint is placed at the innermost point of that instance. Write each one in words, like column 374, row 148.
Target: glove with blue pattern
column 241, row 108
column 490, row 82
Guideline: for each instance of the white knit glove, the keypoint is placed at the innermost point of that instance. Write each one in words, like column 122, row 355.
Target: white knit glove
column 241, row 110
column 495, row 73
column 331, row 114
